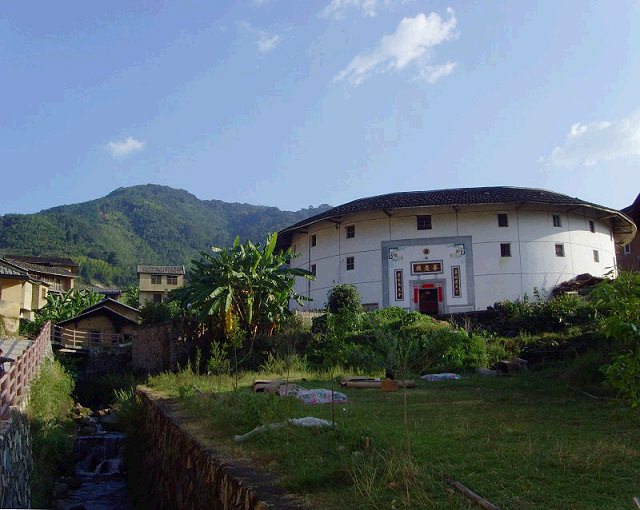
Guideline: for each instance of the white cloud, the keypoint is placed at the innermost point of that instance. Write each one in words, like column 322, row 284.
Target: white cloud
column 432, row 74
column 124, row 148
column 370, row 8
column 267, row 42
column 410, row 44
column 590, row 144
column 336, row 8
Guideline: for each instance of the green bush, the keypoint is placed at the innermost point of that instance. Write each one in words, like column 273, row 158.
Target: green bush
column 48, row 410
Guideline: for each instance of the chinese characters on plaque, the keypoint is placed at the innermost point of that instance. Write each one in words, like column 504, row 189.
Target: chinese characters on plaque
column 399, row 286
column 426, row 267
column 455, row 279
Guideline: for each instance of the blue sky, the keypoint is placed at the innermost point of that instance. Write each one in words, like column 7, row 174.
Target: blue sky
column 294, row 103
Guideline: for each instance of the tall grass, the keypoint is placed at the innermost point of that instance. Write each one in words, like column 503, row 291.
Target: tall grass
column 48, row 410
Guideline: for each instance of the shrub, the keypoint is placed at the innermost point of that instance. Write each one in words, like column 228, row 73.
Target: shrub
column 343, row 299
column 619, row 299
column 48, row 410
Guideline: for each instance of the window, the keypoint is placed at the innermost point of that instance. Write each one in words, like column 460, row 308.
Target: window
column 627, row 249
column 557, row 221
column 172, row 280
column 423, row 222
column 596, row 256
column 157, row 298
column 313, row 269
column 503, row 220
column 592, row 226
column 351, row 263
column 295, row 248
column 505, row 249
column 559, row 250
column 156, row 279
column 313, row 240
column 351, row 231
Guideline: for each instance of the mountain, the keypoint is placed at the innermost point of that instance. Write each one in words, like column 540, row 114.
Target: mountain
column 147, row 224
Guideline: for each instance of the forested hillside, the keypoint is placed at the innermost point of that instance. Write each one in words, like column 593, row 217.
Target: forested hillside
column 148, row 224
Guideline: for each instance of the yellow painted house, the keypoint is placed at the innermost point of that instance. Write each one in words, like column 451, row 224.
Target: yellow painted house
column 21, row 294
column 156, row 282
column 58, row 272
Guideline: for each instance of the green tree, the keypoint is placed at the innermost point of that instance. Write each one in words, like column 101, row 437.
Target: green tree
column 131, row 296
column 243, row 288
column 61, row 307
column 619, row 301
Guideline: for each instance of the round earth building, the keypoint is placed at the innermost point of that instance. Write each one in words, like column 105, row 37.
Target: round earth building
column 455, row 250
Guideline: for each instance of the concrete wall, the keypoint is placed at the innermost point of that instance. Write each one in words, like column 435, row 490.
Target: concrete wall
column 186, row 474
column 486, row 276
column 148, row 289
column 11, row 303
column 16, row 462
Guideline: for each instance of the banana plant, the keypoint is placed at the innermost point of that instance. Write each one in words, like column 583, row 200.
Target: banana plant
column 247, row 286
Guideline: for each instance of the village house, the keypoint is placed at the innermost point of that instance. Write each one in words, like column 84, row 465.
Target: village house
column 455, row 250
column 629, row 253
column 21, row 294
column 106, row 324
column 58, row 272
column 155, row 282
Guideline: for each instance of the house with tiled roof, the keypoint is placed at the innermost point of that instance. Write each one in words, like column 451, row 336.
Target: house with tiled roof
column 21, row 294
column 58, row 272
column 455, row 250
column 629, row 253
column 155, row 282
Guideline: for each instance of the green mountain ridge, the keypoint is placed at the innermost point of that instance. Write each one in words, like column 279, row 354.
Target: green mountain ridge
column 145, row 224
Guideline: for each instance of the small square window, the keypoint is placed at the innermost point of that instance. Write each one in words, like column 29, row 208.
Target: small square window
column 503, row 220
column 156, row 279
column 351, row 263
column 559, row 250
column 313, row 240
column 313, row 269
column 596, row 256
column 505, row 249
column 592, row 226
column 172, row 280
column 557, row 220
column 423, row 222
column 351, row 231
column 627, row 249
column 157, row 298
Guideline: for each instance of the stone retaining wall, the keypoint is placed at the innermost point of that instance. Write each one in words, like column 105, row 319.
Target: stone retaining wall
column 16, row 462
column 183, row 473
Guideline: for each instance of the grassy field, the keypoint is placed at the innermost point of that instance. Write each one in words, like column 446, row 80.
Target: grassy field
column 525, row 442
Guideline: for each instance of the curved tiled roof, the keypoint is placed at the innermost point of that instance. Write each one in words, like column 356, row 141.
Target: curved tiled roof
column 160, row 269
column 624, row 228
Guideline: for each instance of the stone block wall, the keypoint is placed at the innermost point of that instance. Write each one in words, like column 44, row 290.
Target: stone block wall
column 16, row 461
column 151, row 349
column 185, row 474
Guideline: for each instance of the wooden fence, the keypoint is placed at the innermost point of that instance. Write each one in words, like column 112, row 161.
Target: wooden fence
column 78, row 339
column 15, row 382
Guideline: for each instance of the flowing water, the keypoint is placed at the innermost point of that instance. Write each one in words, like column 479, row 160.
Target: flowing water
column 99, row 481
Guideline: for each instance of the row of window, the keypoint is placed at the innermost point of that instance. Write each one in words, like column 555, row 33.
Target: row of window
column 156, row 279
column 505, row 251
column 423, row 222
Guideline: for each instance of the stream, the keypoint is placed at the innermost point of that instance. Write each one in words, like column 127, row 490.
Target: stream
column 99, row 480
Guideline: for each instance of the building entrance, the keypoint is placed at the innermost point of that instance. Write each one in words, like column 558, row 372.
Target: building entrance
column 428, row 301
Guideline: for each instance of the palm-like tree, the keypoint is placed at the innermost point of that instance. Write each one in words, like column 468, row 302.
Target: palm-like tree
column 247, row 286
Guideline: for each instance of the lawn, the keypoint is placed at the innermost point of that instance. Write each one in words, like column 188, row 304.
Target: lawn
column 526, row 442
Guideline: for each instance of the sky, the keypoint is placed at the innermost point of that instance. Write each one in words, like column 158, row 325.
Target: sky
column 292, row 103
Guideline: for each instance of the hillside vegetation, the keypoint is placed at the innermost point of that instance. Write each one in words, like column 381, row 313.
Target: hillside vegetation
column 148, row 224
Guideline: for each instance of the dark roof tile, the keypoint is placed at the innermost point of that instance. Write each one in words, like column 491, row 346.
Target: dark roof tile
column 460, row 197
